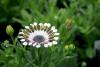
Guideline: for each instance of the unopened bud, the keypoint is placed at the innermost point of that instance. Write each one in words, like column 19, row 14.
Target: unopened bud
column 68, row 23
column 84, row 64
column 9, row 30
column 71, row 46
column 66, row 47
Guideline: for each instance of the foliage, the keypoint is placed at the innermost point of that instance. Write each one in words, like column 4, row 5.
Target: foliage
column 77, row 22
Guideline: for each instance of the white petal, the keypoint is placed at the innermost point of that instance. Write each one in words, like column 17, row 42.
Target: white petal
column 40, row 24
column 56, row 33
column 45, row 24
column 35, row 23
column 38, row 46
column 22, row 40
column 53, row 27
column 25, row 43
column 20, row 37
column 30, row 43
column 54, row 42
column 45, row 45
column 21, row 33
column 54, row 30
column 34, row 44
column 50, row 44
column 56, row 38
column 31, row 24
column 48, row 24
column 27, row 27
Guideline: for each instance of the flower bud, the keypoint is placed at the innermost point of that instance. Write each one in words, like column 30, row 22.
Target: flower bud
column 71, row 46
column 9, row 30
column 68, row 23
column 84, row 64
column 66, row 47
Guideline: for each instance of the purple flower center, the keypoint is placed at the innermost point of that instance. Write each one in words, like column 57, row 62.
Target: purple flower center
column 39, row 38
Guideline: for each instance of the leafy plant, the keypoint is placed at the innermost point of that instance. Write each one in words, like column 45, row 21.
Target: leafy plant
column 76, row 20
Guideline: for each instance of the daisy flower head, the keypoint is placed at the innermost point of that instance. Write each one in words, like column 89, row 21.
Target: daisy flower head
column 39, row 34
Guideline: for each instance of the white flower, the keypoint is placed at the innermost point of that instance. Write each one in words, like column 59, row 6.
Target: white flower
column 97, row 45
column 38, row 35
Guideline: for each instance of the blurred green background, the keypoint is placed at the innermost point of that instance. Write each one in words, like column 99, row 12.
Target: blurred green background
column 78, row 21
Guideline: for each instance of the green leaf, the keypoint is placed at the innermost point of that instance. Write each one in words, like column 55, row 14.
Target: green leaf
column 90, row 52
